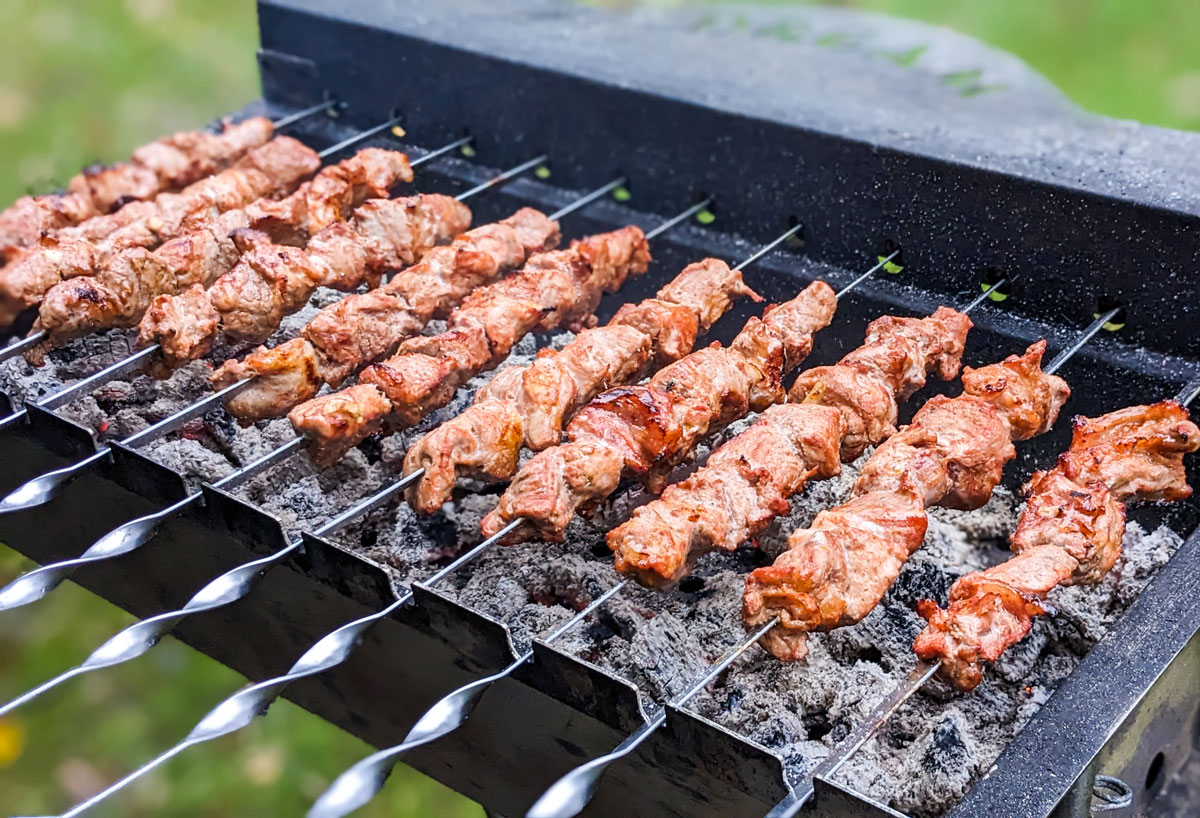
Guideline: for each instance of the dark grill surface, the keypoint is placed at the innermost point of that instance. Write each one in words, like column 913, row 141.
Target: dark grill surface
column 1070, row 241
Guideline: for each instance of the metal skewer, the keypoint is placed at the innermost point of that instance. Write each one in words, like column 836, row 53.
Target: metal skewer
column 330, row 651
column 329, row 105
column 362, row 782
column 883, row 262
column 568, row 795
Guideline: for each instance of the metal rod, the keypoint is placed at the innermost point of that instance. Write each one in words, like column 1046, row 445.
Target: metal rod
column 32, row 586
column 304, row 113
column 986, row 294
column 769, row 247
column 363, row 781
column 1085, row 336
column 1189, row 393
column 587, row 199
column 41, row 490
column 17, row 347
column 359, row 137
column 882, row 263
column 444, row 149
column 231, row 586
column 567, row 796
column 503, row 177
column 675, row 220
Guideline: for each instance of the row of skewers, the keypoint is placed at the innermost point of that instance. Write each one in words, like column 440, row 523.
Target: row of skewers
column 591, row 422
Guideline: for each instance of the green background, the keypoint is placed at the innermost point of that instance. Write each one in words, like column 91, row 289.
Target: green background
column 90, row 79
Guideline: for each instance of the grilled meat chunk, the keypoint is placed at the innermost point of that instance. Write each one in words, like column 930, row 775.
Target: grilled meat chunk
column 743, row 486
column 952, row 454
column 644, row 431
column 541, row 395
column 361, row 329
column 1069, row 533
column 354, row 412
column 184, row 326
column 281, row 375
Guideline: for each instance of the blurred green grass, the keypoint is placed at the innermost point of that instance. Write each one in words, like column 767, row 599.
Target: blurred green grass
column 82, row 81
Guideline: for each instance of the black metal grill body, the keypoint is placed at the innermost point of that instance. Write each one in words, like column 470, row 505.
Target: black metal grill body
column 1077, row 207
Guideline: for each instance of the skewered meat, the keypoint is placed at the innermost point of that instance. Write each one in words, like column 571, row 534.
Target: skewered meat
column 1069, row 533
column 555, row 287
column 529, row 404
column 418, row 293
column 748, row 480
column 891, row 364
column 165, row 165
column 282, row 374
column 361, row 329
column 119, row 295
column 355, row 413
column 270, row 169
column 644, row 431
column 837, row 570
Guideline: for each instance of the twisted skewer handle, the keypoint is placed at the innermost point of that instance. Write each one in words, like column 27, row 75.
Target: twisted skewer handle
column 127, row 537
column 567, row 796
column 362, row 782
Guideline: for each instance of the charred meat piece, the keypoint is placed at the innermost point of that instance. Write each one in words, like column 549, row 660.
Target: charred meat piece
column 281, row 375
column 1069, row 533
column 356, row 412
column 644, row 431
column 541, row 395
column 837, row 570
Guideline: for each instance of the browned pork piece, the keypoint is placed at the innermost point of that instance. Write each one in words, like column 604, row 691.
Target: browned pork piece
column 165, row 165
column 529, row 404
column 837, row 570
column 746, row 483
column 644, row 431
column 426, row 290
column 268, row 170
column 1069, row 533
column 556, row 288
column 121, row 292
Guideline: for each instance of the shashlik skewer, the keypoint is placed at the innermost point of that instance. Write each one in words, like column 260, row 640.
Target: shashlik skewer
column 1069, row 533
column 834, row 413
column 288, row 375
column 555, row 288
column 271, row 169
column 644, row 431
column 120, row 292
column 161, row 166
column 528, row 405
column 952, row 454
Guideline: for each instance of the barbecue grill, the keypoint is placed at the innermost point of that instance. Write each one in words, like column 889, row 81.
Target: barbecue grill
column 876, row 145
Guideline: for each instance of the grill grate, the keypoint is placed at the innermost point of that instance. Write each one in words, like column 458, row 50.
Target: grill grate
column 282, row 513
